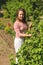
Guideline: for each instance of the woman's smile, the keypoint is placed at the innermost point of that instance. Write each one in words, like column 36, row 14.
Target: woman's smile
column 20, row 15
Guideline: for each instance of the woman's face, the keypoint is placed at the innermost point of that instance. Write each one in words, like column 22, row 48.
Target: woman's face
column 21, row 15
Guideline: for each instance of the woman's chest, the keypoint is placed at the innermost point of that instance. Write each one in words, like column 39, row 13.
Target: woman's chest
column 23, row 26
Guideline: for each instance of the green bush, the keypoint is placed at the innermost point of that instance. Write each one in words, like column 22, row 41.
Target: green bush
column 1, row 26
column 29, row 5
column 9, row 30
column 6, row 14
column 31, row 52
column 11, row 56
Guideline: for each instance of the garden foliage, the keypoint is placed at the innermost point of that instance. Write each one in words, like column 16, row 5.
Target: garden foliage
column 31, row 52
column 31, row 6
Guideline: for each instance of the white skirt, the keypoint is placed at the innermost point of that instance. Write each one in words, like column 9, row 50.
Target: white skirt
column 17, row 43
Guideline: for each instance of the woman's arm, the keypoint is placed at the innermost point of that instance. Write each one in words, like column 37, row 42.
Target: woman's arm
column 17, row 30
column 25, row 35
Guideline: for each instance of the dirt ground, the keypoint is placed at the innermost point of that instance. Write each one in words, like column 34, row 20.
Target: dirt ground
column 6, row 47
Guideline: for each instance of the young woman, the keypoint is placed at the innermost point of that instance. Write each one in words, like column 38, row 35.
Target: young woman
column 20, row 27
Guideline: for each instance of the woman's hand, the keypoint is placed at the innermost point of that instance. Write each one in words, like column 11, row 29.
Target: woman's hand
column 30, row 25
column 29, row 35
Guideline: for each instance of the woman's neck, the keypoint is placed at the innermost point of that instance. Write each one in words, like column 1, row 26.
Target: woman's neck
column 19, row 20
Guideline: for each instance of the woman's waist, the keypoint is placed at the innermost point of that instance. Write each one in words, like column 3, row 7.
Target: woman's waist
column 20, row 38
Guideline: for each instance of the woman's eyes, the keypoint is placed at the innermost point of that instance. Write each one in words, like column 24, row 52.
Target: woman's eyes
column 21, row 14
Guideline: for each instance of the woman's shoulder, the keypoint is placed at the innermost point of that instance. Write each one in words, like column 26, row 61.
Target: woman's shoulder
column 16, row 22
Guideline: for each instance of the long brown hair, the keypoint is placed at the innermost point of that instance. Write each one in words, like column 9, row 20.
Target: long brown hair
column 21, row 9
